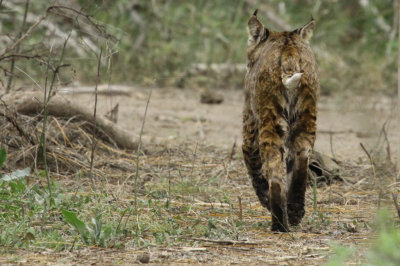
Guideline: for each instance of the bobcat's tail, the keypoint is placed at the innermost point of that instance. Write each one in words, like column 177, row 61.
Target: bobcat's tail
column 291, row 82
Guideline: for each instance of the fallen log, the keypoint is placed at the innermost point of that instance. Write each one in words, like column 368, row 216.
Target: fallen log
column 31, row 103
column 202, row 68
column 114, row 90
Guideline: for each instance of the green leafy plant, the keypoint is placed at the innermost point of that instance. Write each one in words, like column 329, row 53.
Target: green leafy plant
column 341, row 254
column 385, row 250
column 96, row 233
column 79, row 225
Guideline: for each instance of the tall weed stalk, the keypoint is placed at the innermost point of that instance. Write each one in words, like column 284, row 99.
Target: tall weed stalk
column 94, row 120
column 47, row 93
column 138, row 157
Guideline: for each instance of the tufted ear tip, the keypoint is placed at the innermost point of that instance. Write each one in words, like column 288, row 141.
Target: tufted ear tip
column 256, row 30
column 255, row 12
column 306, row 32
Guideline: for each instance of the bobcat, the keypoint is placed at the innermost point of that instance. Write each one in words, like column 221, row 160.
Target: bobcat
column 279, row 118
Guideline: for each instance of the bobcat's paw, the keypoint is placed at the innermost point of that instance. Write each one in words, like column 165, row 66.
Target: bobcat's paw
column 295, row 212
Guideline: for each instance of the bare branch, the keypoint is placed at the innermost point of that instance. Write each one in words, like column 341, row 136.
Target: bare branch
column 10, row 79
column 23, row 37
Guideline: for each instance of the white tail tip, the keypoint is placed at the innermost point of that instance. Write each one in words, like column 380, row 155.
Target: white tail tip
column 293, row 81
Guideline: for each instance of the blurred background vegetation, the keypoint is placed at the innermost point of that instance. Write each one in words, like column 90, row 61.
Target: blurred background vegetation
column 199, row 43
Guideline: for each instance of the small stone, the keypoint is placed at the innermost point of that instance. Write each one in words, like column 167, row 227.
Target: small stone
column 211, row 97
column 144, row 258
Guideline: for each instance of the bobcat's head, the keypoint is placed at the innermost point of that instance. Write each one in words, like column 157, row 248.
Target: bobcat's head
column 282, row 48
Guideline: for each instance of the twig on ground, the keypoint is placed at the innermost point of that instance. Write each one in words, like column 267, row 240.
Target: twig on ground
column 224, row 242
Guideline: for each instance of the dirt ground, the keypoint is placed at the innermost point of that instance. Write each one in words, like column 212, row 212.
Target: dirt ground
column 176, row 115
column 176, row 118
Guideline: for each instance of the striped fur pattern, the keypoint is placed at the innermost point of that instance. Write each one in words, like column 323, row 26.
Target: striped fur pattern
column 279, row 118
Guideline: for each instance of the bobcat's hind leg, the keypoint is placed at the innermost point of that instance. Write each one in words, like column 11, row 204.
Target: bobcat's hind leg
column 272, row 157
column 251, row 154
column 297, row 169
column 297, row 187
column 278, row 206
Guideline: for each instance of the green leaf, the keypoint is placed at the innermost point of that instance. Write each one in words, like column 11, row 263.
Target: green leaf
column 79, row 225
column 91, row 234
column 98, row 225
column 3, row 156
column 17, row 187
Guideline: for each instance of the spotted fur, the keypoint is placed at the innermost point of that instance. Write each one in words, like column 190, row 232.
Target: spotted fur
column 279, row 118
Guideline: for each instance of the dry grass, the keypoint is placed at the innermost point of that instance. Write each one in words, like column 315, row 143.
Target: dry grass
column 188, row 210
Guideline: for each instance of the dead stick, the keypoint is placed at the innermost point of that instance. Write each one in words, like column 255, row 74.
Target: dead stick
column 240, row 209
column 233, row 150
column 224, row 242
column 94, row 120
column 120, row 220
column 374, row 172
column 368, row 155
column 388, row 153
column 370, row 158
column 396, row 203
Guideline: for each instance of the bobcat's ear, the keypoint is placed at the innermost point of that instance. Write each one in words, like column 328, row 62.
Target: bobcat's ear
column 307, row 30
column 256, row 30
